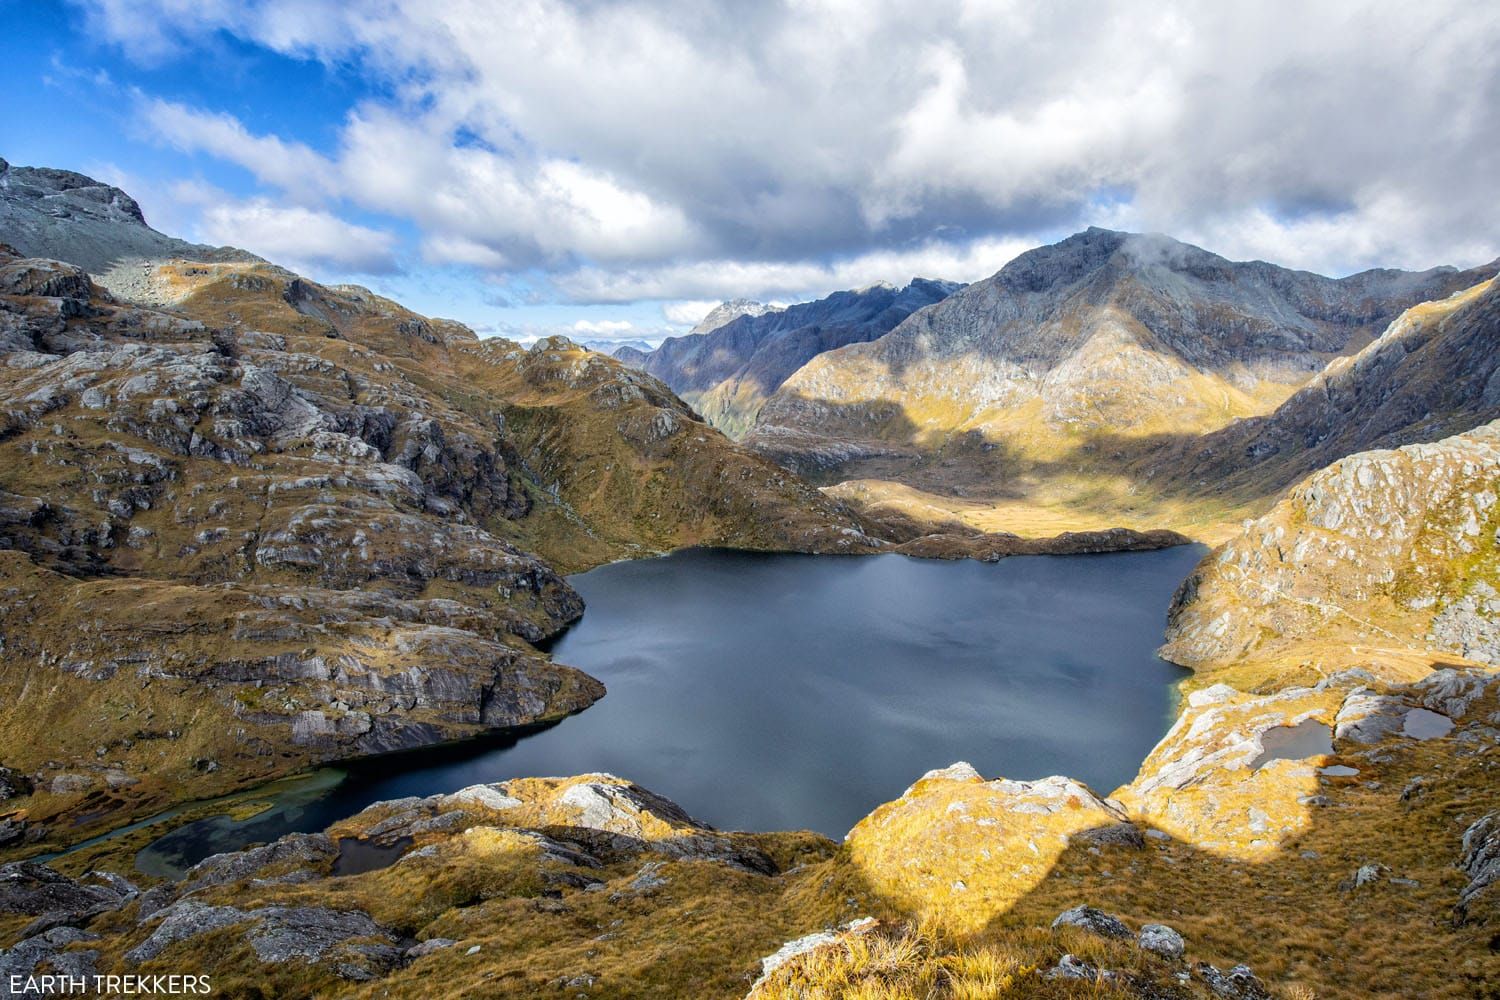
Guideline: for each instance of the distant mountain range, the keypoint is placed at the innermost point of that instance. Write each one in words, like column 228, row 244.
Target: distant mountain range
column 727, row 371
column 1103, row 333
column 612, row 347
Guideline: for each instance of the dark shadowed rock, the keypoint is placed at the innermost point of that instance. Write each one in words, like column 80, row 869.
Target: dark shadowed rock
column 33, row 889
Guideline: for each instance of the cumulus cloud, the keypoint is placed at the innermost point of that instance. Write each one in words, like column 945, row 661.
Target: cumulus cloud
column 696, row 151
column 290, row 166
column 689, row 313
column 603, row 328
column 303, row 238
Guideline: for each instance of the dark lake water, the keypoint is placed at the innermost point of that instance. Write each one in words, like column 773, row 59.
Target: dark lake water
column 782, row 691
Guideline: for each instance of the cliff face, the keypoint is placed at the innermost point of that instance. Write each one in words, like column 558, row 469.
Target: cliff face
column 1104, row 333
column 729, row 369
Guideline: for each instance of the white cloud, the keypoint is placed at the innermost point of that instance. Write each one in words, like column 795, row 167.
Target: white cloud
column 699, row 151
column 302, row 238
column 290, row 166
column 689, row 313
column 603, row 328
column 797, row 280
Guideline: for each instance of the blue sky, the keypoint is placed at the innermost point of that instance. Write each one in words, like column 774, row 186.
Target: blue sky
column 614, row 168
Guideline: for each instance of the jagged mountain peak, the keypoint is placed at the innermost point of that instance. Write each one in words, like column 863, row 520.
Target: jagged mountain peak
column 1102, row 332
column 64, row 193
column 730, row 310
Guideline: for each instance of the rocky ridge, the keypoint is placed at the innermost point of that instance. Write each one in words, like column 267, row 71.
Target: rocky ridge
column 1385, row 549
column 1434, row 372
column 45, row 212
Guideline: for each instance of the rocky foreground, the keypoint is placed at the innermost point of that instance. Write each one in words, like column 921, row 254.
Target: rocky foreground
column 1328, row 832
column 1222, row 871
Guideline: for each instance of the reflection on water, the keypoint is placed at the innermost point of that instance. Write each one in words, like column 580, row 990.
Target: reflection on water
column 1308, row 738
column 782, row 691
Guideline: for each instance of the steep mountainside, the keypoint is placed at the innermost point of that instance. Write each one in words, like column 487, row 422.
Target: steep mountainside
column 1385, row 552
column 270, row 522
column 1433, row 373
column 728, row 372
column 1105, row 333
column 67, row 216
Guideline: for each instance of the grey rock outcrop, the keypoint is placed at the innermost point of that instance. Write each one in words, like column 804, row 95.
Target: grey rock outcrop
column 1239, row 983
column 1162, row 940
column 293, row 855
column 1358, row 541
column 67, row 216
column 1094, row 921
column 1479, row 861
column 354, row 944
column 32, row 889
column 50, row 948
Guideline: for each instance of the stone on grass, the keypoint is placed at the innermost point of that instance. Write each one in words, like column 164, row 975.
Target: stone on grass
column 1162, row 940
column 1094, row 921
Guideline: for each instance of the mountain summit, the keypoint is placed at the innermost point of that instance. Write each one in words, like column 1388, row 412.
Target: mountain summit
column 726, row 312
column 1120, row 333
